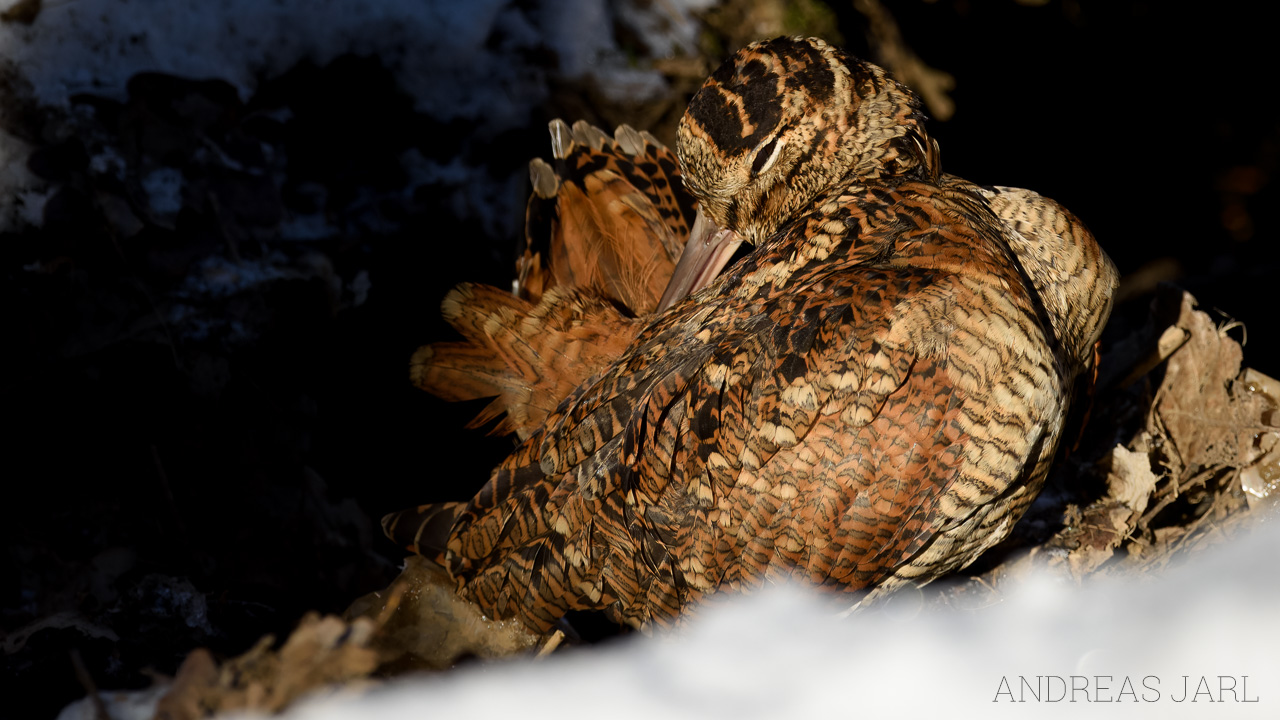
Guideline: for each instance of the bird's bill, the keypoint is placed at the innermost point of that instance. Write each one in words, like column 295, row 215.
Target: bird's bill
column 708, row 249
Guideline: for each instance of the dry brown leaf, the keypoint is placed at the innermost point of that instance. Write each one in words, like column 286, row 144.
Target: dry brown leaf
column 322, row 651
column 1131, row 480
column 1210, row 439
column 1091, row 535
column 1195, row 407
column 419, row 622
column 1206, row 424
column 424, row 624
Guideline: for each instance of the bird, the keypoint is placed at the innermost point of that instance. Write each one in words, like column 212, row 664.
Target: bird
column 868, row 399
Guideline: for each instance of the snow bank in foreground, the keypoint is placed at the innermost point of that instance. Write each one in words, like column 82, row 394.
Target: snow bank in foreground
column 1202, row 641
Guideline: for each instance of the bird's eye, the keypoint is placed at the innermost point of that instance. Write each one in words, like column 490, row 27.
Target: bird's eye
column 766, row 156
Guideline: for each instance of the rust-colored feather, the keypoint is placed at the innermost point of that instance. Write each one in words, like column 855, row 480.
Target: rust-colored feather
column 617, row 191
column 870, row 398
column 604, row 228
column 612, row 240
column 527, row 358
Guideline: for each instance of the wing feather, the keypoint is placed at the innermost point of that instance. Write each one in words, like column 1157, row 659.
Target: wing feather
column 840, row 430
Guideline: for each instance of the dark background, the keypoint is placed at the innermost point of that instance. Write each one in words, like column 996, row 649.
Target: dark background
column 180, row 491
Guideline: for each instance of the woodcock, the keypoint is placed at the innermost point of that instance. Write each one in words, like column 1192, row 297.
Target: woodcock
column 870, row 397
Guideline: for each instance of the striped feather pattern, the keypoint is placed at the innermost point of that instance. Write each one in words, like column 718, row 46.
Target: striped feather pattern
column 871, row 397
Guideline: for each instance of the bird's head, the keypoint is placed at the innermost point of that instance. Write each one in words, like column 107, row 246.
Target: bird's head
column 780, row 125
column 785, row 121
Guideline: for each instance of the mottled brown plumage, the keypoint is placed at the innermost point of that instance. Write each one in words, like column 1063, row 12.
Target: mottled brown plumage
column 609, row 214
column 605, row 225
column 871, row 397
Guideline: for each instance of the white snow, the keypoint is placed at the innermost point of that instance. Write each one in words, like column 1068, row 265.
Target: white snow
column 30, row 206
column 1124, row 648
column 18, row 186
column 97, row 45
column 163, row 187
column 457, row 59
column 781, row 654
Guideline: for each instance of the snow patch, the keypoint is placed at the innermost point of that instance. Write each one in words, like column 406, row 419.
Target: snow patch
column 163, row 187
column 458, row 60
column 22, row 194
column 1197, row 641
column 1123, row 647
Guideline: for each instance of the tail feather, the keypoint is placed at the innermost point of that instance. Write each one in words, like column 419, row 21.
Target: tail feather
column 527, row 358
column 424, row 529
column 469, row 307
column 592, row 204
column 457, row 371
column 605, row 225
column 611, row 238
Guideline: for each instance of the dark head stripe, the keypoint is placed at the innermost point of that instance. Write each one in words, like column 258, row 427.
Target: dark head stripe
column 738, row 116
column 710, row 108
column 743, row 102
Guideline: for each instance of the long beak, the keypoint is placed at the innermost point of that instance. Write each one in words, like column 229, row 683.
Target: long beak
column 704, row 256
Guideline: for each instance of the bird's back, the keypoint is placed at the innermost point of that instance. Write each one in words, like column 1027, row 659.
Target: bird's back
column 844, row 406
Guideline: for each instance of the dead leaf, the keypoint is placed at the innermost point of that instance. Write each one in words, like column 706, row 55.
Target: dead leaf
column 322, row 651
column 424, row 624
column 1195, row 407
column 1092, row 535
column 1208, row 450
column 1131, row 480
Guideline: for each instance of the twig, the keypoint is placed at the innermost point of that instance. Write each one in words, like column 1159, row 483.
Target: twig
column 1226, row 425
column 163, row 476
column 1199, row 478
column 228, row 237
column 892, row 52
column 1191, row 530
column 390, row 606
column 90, row 688
column 552, row 643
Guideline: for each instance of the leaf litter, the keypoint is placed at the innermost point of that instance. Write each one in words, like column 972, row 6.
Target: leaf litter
column 1200, row 467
